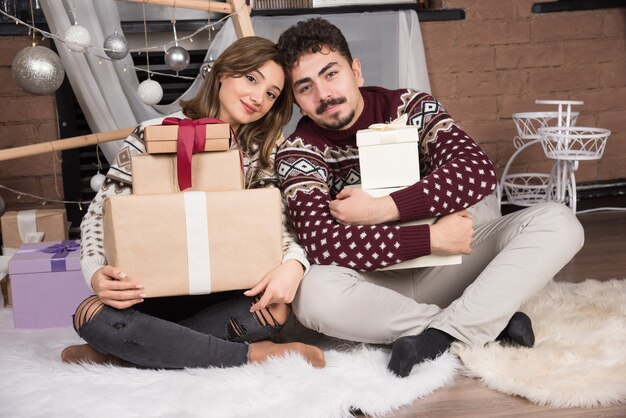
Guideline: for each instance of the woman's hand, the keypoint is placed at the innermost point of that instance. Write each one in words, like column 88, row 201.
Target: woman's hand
column 278, row 286
column 109, row 284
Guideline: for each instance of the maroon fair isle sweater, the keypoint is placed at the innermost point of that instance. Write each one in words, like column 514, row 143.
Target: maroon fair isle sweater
column 314, row 164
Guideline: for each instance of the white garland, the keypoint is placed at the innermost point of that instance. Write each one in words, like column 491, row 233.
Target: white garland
column 46, row 34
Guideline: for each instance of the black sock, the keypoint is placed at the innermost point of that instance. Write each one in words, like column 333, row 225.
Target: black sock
column 519, row 330
column 406, row 352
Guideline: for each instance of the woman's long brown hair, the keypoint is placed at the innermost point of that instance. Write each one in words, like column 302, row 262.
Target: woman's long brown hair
column 240, row 58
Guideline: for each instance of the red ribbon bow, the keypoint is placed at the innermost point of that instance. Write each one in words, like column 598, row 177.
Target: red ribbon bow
column 191, row 140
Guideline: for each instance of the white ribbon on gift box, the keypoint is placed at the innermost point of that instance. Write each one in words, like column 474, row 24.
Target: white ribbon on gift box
column 27, row 228
column 386, row 133
column 198, row 258
column 394, row 124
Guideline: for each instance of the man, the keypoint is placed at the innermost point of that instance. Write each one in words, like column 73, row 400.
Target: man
column 347, row 234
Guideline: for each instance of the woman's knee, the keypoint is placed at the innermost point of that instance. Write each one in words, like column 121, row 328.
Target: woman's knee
column 86, row 311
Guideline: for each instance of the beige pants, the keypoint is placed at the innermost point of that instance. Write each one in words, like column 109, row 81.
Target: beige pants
column 513, row 257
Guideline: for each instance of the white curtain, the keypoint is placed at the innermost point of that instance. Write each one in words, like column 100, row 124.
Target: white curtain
column 389, row 44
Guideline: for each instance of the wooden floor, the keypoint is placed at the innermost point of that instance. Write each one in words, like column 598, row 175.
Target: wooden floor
column 602, row 257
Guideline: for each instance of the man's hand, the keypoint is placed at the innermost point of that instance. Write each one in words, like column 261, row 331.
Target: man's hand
column 452, row 234
column 356, row 207
column 278, row 286
column 109, row 284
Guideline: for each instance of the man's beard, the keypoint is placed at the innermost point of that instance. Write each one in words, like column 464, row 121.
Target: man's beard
column 338, row 122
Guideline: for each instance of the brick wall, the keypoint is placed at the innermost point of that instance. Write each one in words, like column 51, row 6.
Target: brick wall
column 502, row 57
column 26, row 119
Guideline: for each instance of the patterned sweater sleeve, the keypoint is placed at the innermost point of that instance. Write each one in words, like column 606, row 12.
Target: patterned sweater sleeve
column 460, row 173
column 117, row 183
column 266, row 177
column 304, row 177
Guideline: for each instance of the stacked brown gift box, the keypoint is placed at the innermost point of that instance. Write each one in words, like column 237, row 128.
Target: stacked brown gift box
column 213, row 236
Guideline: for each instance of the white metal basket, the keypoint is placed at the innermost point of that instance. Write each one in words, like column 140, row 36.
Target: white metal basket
column 527, row 123
column 526, row 189
column 573, row 143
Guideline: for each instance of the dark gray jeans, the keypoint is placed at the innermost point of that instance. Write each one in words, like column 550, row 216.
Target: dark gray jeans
column 179, row 332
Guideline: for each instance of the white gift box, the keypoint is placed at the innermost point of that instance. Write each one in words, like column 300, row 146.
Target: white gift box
column 388, row 157
column 424, row 261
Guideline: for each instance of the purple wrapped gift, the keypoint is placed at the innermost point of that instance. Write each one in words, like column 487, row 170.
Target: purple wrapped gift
column 46, row 284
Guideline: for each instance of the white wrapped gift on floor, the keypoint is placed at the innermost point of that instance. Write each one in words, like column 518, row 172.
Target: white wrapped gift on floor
column 389, row 155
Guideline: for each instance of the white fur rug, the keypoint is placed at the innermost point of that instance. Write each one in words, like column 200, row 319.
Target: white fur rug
column 579, row 358
column 34, row 383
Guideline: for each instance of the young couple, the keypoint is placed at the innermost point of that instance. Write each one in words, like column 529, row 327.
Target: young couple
column 345, row 232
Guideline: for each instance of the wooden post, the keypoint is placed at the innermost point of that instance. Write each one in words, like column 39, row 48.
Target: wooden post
column 242, row 21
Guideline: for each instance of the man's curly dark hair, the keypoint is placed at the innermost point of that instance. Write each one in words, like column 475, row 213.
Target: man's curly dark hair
column 311, row 36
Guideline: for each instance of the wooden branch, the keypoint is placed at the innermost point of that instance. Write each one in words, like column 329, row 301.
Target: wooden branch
column 64, row 144
column 213, row 6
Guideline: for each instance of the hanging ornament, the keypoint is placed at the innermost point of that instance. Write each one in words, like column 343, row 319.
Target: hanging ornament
column 96, row 182
column 177, row 58
column 2, row 206
column 205, row 69
column 77, row 38
column 37, row 70
column 115, row 46
column 150, row 92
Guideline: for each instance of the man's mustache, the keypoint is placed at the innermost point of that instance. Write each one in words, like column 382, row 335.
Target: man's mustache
column 330, row 102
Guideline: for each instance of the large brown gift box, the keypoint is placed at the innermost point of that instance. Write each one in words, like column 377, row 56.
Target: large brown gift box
column 210, row 172
column 19, row 227
column 161, row 139
column 194, row 242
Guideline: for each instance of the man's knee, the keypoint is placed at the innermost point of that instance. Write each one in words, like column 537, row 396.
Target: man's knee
column 565, row 224
column 319, row 297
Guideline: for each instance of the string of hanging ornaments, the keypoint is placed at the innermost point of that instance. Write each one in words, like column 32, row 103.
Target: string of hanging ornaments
column 38, row 70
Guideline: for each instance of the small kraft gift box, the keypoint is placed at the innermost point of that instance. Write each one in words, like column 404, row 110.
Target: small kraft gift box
column 210, row 172
column 47, row 284
column 19, row 227
column 388, row 155
column 212, row 134
column 194, row 242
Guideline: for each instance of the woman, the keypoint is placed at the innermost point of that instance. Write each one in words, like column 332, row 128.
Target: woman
column 247, row 88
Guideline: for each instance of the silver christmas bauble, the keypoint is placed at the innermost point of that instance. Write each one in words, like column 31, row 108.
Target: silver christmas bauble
column 77, row 38
column 150, row 92
column 177, row 58
column 37, row 70
column 205, row 69
column 96, row 182
column 115, row 46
